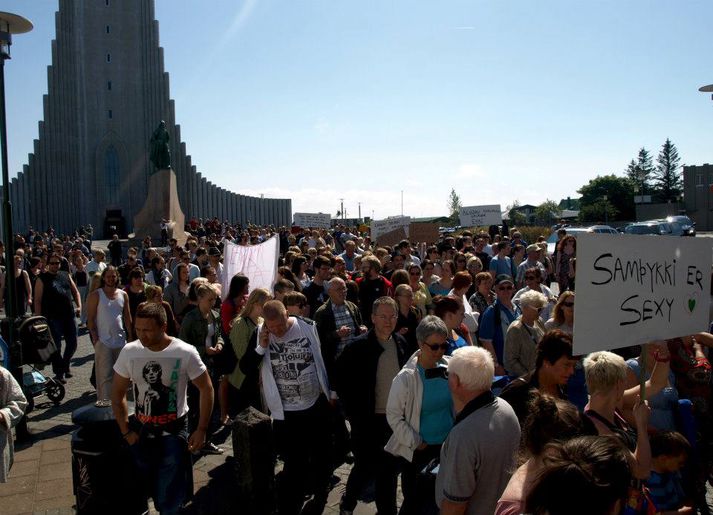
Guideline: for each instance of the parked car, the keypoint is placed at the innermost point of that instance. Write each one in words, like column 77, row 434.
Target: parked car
column 574, row 231
column 651, row 227
column 688, row 226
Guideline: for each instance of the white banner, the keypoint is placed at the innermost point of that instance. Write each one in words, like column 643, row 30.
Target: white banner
column 258, row 262
column 379, row 227
column 478, row 216
column 635, row 289
column 313, row 220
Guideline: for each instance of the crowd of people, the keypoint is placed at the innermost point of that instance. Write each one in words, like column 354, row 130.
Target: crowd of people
column 449, row 363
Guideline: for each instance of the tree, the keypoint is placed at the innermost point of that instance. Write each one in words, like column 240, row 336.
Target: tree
column 641, row 170
column 667, row 179
column 454, row 205
column 607, row 197
column 517, row 217
column 546, row 212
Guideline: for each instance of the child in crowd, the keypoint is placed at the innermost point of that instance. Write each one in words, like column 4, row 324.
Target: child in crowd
column 296, row 304
column 669, row 452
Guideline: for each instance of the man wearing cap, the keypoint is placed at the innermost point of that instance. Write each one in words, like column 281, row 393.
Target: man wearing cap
column 214, row 260
column 532, row 261
column 496, row 319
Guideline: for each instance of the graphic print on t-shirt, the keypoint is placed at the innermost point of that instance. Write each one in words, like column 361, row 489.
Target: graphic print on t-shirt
column 295, row 372
column 155, row 394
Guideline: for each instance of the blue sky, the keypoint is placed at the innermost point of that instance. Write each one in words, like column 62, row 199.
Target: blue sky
column 501, row 100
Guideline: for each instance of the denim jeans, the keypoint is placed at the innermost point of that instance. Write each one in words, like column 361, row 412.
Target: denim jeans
column 60, row 327
column 165, row 469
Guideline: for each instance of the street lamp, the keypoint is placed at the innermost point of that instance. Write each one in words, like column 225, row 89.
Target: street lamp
column 707, row 89
column 9, row 24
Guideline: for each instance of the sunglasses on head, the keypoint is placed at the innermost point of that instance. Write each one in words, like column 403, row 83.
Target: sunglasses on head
column 435, row 346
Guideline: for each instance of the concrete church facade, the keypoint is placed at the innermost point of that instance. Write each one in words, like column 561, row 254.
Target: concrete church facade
column 107, row 92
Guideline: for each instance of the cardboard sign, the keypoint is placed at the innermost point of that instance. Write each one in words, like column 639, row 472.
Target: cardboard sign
column 423, row 233
column 479, row 216
column 381, row 227
column 392, row 238
column 634, row 289
column 313, row 220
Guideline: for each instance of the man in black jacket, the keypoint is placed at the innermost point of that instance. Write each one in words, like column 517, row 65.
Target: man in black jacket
column 364, row 372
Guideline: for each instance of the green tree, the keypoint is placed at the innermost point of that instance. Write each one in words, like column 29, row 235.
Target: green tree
column 607, row 197
column 517, row 218
column 546, row 212
column 454, row 205
column 667, row 178
column 640, row 171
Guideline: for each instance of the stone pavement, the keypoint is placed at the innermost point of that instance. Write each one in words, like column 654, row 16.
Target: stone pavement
column 40, row 481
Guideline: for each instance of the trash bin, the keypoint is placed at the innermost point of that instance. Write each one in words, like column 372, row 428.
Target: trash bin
column 103, row 473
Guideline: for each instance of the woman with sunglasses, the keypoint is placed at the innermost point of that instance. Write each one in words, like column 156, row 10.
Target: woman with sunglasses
column 420, row 410
column 533, row 282
column 523, row 335
column 563, row 314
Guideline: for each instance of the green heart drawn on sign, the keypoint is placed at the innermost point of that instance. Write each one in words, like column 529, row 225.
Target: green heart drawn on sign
column 691, row 305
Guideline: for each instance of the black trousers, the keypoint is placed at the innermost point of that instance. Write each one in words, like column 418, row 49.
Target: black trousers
column 372, row 461
column 302, row 440
column 419, row 494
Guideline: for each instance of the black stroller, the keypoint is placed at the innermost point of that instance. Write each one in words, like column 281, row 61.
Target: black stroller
column 34, row 336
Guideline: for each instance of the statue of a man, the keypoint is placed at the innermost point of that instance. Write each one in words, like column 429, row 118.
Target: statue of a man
column 160, row 152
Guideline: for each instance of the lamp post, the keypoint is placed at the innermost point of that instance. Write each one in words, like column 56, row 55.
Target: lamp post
column 606, row 213
column 9, row 24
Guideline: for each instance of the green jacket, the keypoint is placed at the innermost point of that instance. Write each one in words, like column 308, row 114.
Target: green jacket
column 194, row 330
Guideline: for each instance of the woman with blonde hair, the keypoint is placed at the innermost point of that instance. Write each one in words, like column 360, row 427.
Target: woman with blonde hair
column 606, row 374
column 245, row 390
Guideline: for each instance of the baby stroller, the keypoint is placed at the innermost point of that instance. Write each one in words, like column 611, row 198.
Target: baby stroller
column 33, row 334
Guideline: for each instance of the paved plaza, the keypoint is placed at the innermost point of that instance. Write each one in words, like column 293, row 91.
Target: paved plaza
column 40, row 481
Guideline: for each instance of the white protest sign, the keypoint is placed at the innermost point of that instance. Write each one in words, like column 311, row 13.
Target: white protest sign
column 476, row 216
column 257, row 262
column 379, row 227
column 635, row 289
column 314, row 220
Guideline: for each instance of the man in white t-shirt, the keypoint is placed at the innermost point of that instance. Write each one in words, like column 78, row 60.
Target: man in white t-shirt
column 296, row 391
column 159, row 367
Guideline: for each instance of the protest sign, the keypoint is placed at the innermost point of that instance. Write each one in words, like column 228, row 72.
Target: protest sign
column 257, row 262
column 477, row 216
column 380, row 227
column 392, row 238
column 423, row 233
column 635, row 289
column 313, row 220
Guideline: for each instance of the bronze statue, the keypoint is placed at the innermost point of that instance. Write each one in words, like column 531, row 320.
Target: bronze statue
column 160, row 152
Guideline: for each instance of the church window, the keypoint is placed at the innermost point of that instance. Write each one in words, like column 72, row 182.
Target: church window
column 111, row 175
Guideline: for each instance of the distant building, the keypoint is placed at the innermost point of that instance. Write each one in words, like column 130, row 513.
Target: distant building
column 107, row 91
column 698, row 195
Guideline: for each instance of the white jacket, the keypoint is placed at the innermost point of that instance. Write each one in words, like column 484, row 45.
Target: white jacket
column 269, row 386
column 403, row 409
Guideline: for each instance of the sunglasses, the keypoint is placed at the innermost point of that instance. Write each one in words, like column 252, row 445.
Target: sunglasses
column 435, row 346
column 530, row 277
column 504, row 288
column 568, row 304
column 54, row 262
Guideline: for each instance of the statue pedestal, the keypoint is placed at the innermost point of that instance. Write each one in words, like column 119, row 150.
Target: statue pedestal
column 161, row 203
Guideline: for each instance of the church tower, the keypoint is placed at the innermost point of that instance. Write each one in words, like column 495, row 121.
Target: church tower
column 107, row 91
